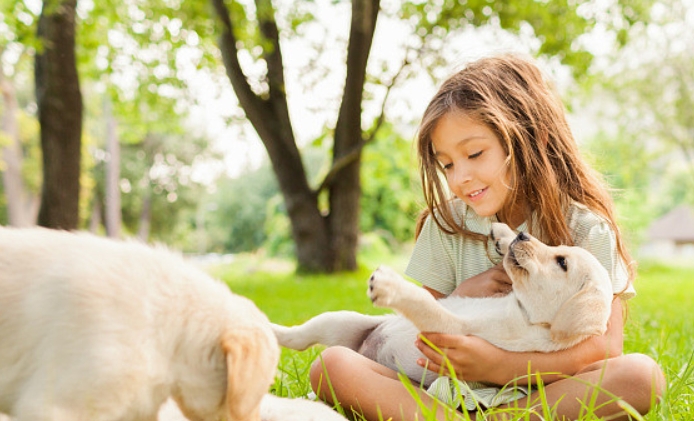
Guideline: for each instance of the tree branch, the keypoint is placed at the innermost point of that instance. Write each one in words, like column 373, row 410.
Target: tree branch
column 249, row 101
column 389, row 87
column 354, row 153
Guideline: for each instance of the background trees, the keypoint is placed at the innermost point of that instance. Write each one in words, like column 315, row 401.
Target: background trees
column 333, row 90
column 326, row 234
column 59, row 103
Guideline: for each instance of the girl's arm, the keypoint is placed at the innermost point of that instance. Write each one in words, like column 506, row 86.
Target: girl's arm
column 475, row 359
column 491, row 282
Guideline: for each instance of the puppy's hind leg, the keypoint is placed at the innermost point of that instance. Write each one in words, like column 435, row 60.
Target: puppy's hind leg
column 343, row 328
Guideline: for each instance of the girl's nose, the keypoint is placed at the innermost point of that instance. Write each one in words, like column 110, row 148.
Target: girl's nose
column 461, row 174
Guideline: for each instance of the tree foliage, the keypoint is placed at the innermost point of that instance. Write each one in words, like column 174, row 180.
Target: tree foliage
column 648, row 114
column 391, row 193
column 325, row 236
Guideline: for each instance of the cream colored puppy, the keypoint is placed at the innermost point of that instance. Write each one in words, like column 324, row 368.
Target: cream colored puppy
column 99, row 330
column 561, row 296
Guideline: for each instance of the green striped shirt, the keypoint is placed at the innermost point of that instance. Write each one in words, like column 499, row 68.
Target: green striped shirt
column 442, row 261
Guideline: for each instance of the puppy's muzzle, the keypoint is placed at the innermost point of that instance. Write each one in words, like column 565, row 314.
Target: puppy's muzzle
column 520, row 238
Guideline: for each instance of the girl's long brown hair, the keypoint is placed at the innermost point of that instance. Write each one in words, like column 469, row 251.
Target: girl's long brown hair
column 509, row 94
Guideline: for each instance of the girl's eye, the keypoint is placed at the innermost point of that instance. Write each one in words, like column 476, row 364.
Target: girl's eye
column 475, row 155
column 446, row 166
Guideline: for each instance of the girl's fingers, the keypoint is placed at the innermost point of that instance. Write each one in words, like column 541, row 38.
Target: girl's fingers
column 442, row 340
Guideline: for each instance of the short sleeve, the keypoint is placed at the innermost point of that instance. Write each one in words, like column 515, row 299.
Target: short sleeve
column 432, row 260
column 599, row 239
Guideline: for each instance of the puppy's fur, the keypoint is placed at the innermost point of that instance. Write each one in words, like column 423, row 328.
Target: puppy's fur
column 560, row 296
column 99, row 330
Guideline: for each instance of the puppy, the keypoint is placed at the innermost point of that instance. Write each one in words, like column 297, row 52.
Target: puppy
column 99, row 330
column 560, row 296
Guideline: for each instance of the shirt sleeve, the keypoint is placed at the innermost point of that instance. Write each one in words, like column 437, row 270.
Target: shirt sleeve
column 600, row 240
column 432, row 262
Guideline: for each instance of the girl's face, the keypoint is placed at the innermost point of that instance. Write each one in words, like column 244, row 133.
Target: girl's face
column 474, row 163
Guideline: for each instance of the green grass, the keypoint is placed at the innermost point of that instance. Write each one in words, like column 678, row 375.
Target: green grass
column 661, row 324
column 660, row 321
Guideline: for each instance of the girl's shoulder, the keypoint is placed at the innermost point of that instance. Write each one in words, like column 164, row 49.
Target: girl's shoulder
column 583, row 221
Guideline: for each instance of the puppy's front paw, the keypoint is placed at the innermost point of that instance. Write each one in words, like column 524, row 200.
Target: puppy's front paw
column 502, row 236
column 385, row 286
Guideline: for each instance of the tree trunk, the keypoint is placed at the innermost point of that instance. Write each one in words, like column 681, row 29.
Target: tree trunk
column 60, row 115
column 345, row 190
column 269, row 116
column 323, row 243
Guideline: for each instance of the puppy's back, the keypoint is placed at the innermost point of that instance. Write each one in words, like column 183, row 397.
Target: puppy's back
column 81, row 316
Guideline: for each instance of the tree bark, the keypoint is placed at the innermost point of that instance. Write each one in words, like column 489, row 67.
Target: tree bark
column 345, row 191
column 324, row 243
column 269, row 116
column 60, row 115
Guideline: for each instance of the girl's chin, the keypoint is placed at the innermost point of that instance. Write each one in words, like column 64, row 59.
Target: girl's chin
column 483, row 212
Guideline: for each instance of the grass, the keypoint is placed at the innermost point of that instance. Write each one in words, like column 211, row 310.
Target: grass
column 660, row 321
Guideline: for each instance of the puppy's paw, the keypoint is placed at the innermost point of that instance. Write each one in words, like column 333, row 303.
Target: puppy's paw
column 502, row 236
column 386, row 287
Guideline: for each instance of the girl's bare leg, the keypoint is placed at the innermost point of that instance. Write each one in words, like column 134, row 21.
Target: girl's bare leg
column 635, row 378
column 375, row 391
column 367, row 387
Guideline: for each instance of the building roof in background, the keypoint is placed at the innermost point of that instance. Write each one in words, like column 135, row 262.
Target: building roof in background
column 676, row 225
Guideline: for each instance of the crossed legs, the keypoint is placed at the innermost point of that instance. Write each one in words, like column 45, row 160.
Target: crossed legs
column 370, row 389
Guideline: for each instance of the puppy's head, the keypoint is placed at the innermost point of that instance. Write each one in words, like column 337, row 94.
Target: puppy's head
column 563, row 287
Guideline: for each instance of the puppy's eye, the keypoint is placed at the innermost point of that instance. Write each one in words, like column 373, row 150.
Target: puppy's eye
column 561, row 261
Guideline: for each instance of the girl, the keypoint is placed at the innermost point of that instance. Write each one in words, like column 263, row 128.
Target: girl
column 498, row 135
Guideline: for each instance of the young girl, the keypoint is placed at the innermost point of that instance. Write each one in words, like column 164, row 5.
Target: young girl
column 498, row 135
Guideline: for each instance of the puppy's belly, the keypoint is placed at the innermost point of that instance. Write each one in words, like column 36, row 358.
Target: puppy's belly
column 392, row 344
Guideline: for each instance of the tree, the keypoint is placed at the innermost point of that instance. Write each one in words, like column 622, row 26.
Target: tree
column 60, row 114
column 648, row 115
column 323, row 243
column 326, row 236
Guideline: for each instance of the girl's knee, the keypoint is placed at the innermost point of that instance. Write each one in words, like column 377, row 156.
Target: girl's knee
column 642, row 370
column 635, row 378
column 641, row 380
column 327, row 368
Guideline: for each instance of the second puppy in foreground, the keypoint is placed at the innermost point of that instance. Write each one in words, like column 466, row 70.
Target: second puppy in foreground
column 100, row 330
column 561, row 296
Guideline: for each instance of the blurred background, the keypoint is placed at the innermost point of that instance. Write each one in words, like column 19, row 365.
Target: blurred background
column 285, row 128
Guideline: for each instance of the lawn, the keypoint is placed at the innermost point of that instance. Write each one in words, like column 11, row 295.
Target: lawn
column 660, row 322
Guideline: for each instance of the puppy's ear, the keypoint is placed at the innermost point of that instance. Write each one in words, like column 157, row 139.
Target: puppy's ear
column 251, row 358
column 585, row 314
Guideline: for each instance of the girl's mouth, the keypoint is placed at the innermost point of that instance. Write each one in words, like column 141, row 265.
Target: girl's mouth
column 476, row 194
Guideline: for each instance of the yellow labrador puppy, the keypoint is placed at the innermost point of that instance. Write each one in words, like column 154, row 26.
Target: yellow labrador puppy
column 99, row 330
column 561, row 296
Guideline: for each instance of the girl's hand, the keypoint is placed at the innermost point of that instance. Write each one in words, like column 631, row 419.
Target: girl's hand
column 472, row 358
column 493, row 281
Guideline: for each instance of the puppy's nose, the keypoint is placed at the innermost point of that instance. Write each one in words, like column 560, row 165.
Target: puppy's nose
column 522, row 237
